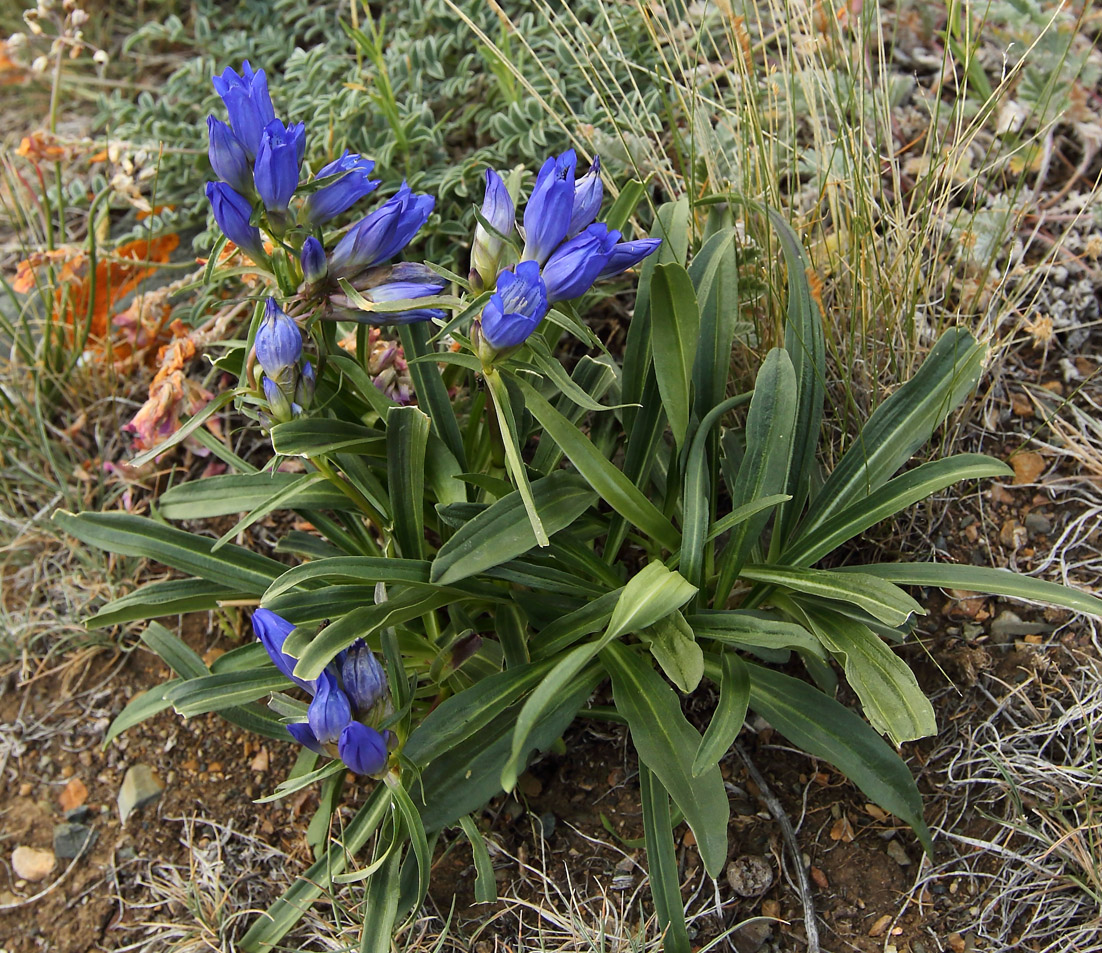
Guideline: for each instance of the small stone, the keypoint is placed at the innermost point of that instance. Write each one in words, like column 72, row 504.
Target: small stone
column 751, row 937
column 32, row 864
column 215, row 767
column 689, row 838
column 956, row 942
column 79, row 815
column 25, row 789
column 140, row 787
column 68, row 771
column 750, row 876
column 529, row 785
column 881, row 925
column 126, row 854
column 896, row 852
column 191, row 765
column 1037, row 524
column 1013, row 535
column 818, row 878
column 260, row 762
column 71, row 840
column 1000, row 494
column 1028, row 467
column 842, row 830
column 73, row 795
column 545, row 825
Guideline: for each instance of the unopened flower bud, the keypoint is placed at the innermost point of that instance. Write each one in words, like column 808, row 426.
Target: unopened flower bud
column 40, row 64
column 79, row 18
column 315, row 268
column 101, row 57
column 363, row 749
column 330, row 711
column 363, row 677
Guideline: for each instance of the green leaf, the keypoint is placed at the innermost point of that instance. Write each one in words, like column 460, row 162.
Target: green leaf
column 363, row 623
column 675, row 329
column 742, row 513
column 666, row 743
column 485, row 886
column 407, row 436
column 893, row 497
column 825, row 729
column 415, row 831
column 432, row 394
column 464, row 715
column 231, row 566
column 367, row 570
column 174, row 651
column 890, row 695
column 714, row 272
column 882, row 600
column 900, row 425
column 696, row 494
column 316, row 436
column 998, row 582
column 651, row 594
column 361, row 382
column 197, row 696
column 631, row 194
column 672, row 643
column 730, row 713
column 380, row 905
column 270, row 927
column 600, row 473
column 770, row 427
column 803, row 340
column 593, row 376
column 748, row 629
column 502, row 533
column 550, row 365
column 163, row 598
column 240, row 493
column 665, row 883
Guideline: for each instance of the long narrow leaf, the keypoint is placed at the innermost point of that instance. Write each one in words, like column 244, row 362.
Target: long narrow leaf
column 675, row 329
column 407, row 437
column 730, row 713
column 665, row 884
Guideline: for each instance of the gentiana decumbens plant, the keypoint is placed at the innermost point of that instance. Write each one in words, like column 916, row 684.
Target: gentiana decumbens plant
column 485, row 558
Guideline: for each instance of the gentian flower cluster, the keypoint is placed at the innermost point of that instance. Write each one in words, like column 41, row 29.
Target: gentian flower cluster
column 565, row 251
column 348, row 697
column 258, row 160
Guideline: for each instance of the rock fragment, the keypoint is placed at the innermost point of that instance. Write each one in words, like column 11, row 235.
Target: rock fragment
column 140, row 787
column 32, row 864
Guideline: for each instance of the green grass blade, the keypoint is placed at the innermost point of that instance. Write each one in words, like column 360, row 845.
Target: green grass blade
column 432, row 395
column 367, row 570
column 485, row 886
column 240, row 493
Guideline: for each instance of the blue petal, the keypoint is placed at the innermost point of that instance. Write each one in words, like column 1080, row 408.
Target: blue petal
column 233, row 212
column 301, row 732
column 588, row 193
column 571, row 271
column 227, row 156
column 547, row 215
column 277, row 162
column 626, row 255
column 330, row 711
column 363, row 749
column 278, row 341
column 272, row 631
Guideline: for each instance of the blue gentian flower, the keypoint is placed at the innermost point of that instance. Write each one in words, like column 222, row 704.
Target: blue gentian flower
column 277, row 160
column 301, row 732
column 227, row 156
column 625, row 255
column 516, row 307
column 363, row 749
column 248, row 103
column 233, row 212
column 314, row 266
column 278, row 342
column 575, row 265
column 363, row 677
column 550, row 206
column 330, row 200
column 330, row 711
column 272, row 631
column 588, row 193
column 382, row 234
column 486, row 248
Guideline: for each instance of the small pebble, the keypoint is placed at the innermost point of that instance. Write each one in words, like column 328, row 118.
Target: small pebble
column 32, row 864
column 140, row 787
column 71, row 840
column 25, row 789
column 750, row 875
column 880, row 926
column 896, row 852
column 73, row 795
